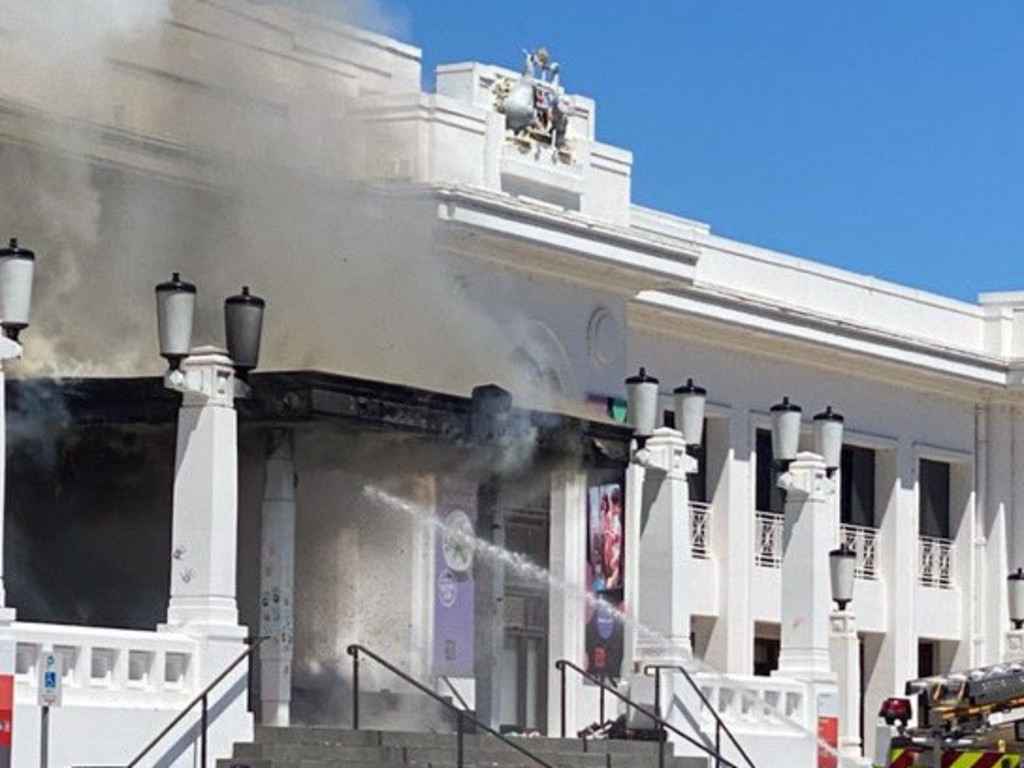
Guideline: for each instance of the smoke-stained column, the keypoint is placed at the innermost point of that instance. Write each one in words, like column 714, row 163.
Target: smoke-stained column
column 204, row 532
column 489, row 630
column 566, row 609
column 277, row 578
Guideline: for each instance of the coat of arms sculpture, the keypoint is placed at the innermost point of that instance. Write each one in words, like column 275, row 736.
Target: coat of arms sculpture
column 536, row 108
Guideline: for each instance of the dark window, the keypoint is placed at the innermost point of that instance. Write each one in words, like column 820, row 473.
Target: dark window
column 934, row 499
column 927, row 658
column 766, row 655
column 857, row 486
column 769, row 495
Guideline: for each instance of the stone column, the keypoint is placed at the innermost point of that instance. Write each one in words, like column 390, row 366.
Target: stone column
column 1014, row 645
column 844, row 650
column 664, row 605
column 567, row 607
column 809, row 533
column 277, row 578
column 204, row 539
column 204, row 532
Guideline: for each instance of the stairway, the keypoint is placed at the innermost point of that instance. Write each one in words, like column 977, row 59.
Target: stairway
column 311, row 747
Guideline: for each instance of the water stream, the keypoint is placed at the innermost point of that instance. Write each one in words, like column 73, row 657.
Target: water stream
column 525, row 568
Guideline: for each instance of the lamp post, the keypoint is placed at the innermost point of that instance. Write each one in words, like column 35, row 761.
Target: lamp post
column 204, row 546
column 811, row 526
column 658, row 529
column 17, row 265
column 1015, row 598
column 844, row 651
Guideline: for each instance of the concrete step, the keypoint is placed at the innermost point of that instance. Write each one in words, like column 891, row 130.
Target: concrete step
column 321, row 747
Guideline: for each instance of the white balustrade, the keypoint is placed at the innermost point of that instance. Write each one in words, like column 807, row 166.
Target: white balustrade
column 768, row 539
column 935, row 562
column 700, row 532
column 864, row 542
column 108, row 667
column 748, row 703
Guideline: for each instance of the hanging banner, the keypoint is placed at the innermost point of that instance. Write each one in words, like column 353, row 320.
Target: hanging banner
column 454, row 589
column 828, row 730
column 606, row 547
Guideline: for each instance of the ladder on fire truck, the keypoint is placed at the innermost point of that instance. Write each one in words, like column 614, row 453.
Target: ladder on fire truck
column 969, row 719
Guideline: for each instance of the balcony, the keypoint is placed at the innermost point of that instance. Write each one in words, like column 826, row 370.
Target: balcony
column 935, row 562
column 864, row 542
column 700, row 533
column 768, row 539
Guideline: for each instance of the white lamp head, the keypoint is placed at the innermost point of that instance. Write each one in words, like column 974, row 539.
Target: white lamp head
column 1015, row 594
column 785, row 430
column 175, row 309
column 828, row 437
column 16, row 267
column 642, row 403
column 841, row 564
column 690, row 405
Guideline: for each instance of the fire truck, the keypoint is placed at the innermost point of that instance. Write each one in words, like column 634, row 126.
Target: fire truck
column 970, row 719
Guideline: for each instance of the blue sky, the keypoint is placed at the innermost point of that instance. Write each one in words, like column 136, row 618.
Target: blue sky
column 878, row 136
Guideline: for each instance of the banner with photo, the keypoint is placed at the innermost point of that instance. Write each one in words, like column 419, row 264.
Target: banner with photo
column 454, row 589
column 606, row 553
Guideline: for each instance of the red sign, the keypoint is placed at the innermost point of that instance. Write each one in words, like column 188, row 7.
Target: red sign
column 6, row 710
column 828, row 733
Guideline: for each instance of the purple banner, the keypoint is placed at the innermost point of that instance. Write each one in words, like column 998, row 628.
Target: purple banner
column 454, row 601
column 604, row 637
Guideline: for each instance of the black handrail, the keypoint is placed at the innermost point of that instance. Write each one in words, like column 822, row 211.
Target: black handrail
column 719, row 723
column 204, row 719
column 663, row 724
column 355, row 649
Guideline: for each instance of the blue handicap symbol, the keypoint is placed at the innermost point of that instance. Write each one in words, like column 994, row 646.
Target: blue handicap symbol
column 50, row 679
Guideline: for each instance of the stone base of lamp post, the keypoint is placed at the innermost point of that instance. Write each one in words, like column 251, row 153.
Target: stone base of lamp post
column 844, row 651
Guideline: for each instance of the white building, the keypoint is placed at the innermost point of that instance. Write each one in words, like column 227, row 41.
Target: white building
column 412, row 238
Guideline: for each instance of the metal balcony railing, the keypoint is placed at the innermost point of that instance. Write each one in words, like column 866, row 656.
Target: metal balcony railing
column 768, row 539
column 864, row 541
column 935, row 562
column 700, row 533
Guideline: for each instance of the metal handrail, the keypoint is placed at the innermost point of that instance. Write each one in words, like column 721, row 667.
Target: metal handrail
column 355, row 649
column 719, row 723
column 663, row 724
column 202, row 697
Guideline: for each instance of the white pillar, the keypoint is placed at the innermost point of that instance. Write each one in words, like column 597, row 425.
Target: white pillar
column 8, row 350
column 277, row 579
column 204, row 531
column 664, row 604
column 844, row 650
column 810, row 530
column 566, row 609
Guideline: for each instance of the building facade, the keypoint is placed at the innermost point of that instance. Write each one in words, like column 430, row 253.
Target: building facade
column 437, row 241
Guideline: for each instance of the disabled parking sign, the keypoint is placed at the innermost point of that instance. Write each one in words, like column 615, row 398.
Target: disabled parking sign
column 50, row 679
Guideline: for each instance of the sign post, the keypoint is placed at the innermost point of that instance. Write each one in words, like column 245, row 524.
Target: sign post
column 50, row 682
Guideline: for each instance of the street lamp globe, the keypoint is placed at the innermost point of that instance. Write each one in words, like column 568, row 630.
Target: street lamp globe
column 642, row 403
column 841, row 564
column 243, row 327
column 690, row 401
column 1015, row 593
column 785, row 430
column 828, row 437
column 175, row 309
column 16, row 267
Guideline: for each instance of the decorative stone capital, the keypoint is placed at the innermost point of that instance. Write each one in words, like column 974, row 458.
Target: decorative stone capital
column 206, row 377
column 807, row 479
column 842, row 624
column 1014, row 645
column 665, row 452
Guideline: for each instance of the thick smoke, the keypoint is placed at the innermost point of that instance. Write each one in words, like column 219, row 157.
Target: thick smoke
column 266, row 186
